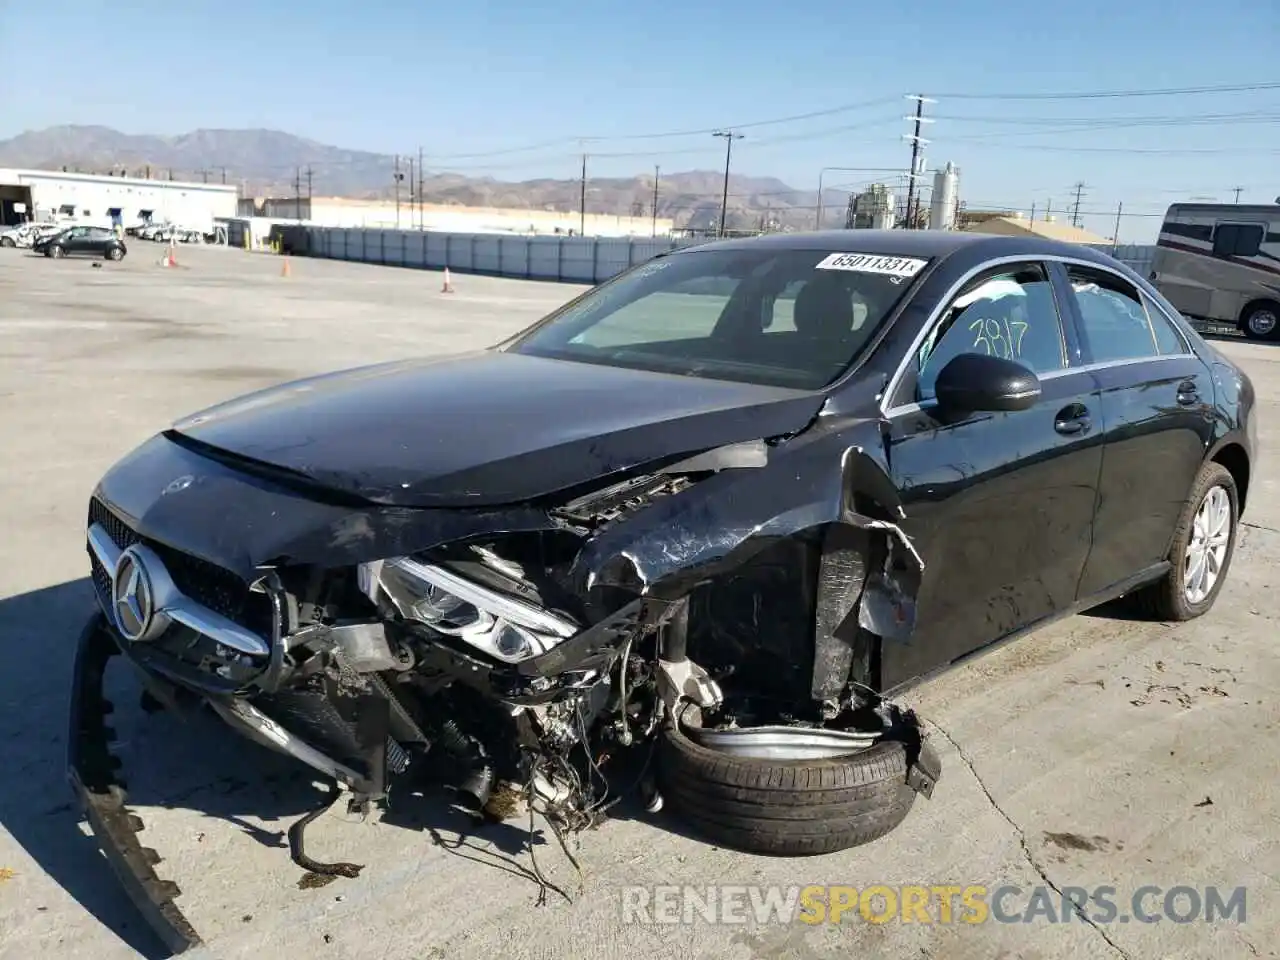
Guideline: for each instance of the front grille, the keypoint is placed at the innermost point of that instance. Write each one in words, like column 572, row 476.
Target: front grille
column 206, row 583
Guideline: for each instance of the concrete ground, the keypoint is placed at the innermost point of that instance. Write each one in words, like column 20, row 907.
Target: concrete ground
column 1097, row 752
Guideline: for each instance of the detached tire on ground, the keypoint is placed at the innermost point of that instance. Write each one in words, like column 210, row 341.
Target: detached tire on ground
column 786, row 807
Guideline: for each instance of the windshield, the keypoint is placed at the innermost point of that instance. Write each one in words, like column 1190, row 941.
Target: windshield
column 782, row 317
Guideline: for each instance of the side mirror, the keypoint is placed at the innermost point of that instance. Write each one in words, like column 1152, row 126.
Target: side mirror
column 978, row 382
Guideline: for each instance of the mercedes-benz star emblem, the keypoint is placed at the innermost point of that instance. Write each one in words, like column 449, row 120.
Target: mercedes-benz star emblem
column 133, row 600
column 180, row 484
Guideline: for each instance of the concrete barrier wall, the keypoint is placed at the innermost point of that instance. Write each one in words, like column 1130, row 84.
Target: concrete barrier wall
column 565, row 259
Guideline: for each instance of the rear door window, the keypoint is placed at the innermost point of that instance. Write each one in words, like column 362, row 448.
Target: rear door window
column 1113, row 317
column 1169, row 339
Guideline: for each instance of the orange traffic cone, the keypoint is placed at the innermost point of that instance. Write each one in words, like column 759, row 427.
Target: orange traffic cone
column 284, row 270
column 448, row 282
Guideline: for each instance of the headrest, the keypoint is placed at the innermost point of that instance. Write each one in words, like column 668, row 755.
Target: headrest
column 824, row 309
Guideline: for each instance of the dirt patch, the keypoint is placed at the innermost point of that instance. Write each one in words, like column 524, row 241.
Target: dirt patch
column 1076, row 841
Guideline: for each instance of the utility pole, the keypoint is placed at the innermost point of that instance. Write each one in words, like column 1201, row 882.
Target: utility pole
column 657, row 171
column 1075, row 209
column 582, row 200
column 917, row 162
column 398, row 177
column 413, row 195
column 422, row 208
column 1238, row 191
column 729, row 137
column 1115, row 236
column 297, row 193
column 1033, row 212
column 308, row 191
column 205, row 174
column 224, row 175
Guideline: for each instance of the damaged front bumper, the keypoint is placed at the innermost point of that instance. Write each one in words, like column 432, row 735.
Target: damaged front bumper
column 91, row 771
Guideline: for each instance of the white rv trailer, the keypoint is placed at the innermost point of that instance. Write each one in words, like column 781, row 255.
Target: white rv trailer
column 1220, row 263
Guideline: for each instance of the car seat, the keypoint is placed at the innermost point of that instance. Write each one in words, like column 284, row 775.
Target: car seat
column 823, row 309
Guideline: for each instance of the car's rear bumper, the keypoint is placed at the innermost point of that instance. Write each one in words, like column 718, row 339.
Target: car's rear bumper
column 91, row 772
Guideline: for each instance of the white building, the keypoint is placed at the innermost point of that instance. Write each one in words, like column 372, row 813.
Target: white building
column 104, row 200
column 342, row 212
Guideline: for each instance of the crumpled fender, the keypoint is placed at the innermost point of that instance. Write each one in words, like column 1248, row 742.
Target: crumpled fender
column 719, row 524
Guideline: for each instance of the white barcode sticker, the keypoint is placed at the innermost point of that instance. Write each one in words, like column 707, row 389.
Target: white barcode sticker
column 873, row 263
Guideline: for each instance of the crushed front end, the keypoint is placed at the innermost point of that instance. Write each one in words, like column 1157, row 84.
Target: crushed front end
column 502, row 652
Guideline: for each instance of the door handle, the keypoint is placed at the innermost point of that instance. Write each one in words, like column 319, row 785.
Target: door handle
column 1188, row 395
column 1073, row 419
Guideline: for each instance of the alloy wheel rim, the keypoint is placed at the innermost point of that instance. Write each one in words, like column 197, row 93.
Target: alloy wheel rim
column 1262, row 322
column 1207, row 552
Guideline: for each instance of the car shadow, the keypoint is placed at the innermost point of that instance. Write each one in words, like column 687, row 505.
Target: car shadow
column 37, row 639
column 1119, row 609
column 1231, row 335
column 192, row 763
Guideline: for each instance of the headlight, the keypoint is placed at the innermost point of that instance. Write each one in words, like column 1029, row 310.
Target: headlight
column 502, row 626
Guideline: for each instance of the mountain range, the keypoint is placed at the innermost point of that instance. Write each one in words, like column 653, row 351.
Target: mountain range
column 274, row 163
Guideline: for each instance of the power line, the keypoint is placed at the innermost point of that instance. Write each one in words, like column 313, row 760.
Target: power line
column 880, row 101
column 785, row 138
column 1072, row 125
column 666, row 134
column 683, row 151
column 1071, row 131
column 1150, row 118
column 1142, row 151
column 1090, row 212
column 1119, row 94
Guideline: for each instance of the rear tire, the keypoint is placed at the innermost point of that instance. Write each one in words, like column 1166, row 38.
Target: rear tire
column 785, row 807
column 1261, row 322
column 7, row 242
column 1168, row 599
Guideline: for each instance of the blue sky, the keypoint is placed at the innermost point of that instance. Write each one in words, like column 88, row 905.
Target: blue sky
column 489, row 77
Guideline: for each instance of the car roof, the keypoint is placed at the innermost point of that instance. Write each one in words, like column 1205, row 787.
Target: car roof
column 908, row 243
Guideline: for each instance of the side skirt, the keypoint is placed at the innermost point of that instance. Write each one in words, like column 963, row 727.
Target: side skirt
column 1149, row 575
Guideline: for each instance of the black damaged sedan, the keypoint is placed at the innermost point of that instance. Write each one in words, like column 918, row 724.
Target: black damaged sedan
column 723, row 507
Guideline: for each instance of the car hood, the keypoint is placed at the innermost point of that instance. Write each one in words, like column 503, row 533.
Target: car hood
column 487, row 428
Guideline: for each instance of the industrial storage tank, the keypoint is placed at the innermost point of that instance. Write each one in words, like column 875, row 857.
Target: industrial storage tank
column 946, row 195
